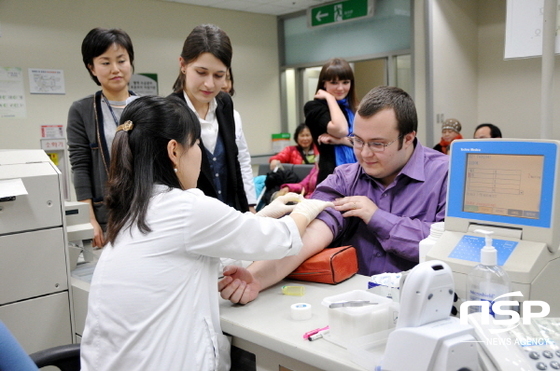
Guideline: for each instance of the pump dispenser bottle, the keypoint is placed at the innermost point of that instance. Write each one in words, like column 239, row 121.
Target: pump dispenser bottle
column 487, row 280
column 436, row 230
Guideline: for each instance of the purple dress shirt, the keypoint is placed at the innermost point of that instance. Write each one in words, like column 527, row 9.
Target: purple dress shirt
column 407, row 208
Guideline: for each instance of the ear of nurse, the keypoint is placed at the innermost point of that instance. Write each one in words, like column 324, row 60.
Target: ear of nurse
column 186, row 162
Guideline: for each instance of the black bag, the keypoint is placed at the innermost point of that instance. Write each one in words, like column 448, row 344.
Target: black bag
column 274, row 180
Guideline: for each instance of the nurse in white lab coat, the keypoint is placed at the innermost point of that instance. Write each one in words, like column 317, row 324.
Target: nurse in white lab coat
column 153, row 302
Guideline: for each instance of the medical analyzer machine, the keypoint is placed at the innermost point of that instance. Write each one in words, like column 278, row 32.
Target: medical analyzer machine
column 509, row 187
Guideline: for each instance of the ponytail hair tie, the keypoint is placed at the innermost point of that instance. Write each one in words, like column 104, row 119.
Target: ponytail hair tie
column 127, row 126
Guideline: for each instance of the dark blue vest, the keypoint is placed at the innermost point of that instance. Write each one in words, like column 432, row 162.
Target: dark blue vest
column 218, row 168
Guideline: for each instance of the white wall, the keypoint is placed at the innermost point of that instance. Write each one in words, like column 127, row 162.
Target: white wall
column 48, row 34
column 509, row 92
column 455, row 69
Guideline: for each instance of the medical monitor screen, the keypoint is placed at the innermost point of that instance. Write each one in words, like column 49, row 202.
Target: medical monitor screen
column 507, row 185
column 503, row 182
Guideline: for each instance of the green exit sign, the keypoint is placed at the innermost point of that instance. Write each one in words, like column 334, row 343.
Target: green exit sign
column 339, row 11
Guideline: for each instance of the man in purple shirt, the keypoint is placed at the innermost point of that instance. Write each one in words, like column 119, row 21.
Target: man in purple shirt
column 384, row 205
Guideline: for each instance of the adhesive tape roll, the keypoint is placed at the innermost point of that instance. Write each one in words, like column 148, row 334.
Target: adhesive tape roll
column 301, row 311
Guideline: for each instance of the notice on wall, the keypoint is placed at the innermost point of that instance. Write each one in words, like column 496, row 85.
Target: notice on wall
column 43, row 81
column 12, row 95
column 144, row 84
column 52, row 131
column 524, row 29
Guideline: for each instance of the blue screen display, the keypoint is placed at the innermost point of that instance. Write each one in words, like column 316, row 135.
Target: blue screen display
column 502, row 181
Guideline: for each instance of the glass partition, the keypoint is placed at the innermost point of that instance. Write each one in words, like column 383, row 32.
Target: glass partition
column 388, row 30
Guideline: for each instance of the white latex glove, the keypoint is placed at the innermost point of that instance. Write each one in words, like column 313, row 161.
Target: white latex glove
column 278, row 207
column 310, row 208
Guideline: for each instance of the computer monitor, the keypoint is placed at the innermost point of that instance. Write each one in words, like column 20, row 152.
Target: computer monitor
column 505, row 183
column 507, row 186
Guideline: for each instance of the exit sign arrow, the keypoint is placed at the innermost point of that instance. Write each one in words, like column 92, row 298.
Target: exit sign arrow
column 320, row 16
column 340, row 11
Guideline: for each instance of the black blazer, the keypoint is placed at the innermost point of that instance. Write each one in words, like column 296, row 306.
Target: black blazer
column 236, row 196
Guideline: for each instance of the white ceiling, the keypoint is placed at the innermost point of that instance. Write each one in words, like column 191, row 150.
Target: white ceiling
column 273, row 7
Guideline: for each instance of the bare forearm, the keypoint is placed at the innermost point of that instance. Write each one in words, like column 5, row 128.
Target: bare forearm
column 338, row 126
column 268, row 272
column 98, row 236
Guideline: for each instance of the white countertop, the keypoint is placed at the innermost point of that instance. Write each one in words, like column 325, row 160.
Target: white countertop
column 267, row 322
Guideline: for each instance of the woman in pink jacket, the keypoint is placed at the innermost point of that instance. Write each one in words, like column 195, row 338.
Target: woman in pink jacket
column 305, row 187
column 305, row 152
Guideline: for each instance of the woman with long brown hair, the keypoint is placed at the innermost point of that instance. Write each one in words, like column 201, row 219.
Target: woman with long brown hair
column 330, row 116
column 226, row 164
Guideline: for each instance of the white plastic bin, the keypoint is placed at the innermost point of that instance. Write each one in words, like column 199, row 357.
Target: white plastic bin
column 352, row 322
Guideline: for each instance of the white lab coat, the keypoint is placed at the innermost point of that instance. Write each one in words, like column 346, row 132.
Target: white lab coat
column 153, row 302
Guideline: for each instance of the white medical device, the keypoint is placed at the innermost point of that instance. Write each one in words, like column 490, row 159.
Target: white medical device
column 509, row 187
column 427, row 337
column 79, row 231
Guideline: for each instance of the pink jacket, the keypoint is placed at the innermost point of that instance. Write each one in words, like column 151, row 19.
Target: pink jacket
column 308, row 183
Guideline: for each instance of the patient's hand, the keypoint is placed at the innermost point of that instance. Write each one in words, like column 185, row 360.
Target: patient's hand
column 238, row 285
column 360, row 206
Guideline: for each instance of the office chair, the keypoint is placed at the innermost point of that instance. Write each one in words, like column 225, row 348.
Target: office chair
column 65, row 357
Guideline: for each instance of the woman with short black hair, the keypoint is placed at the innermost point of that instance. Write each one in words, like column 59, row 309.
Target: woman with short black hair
column 108, row 56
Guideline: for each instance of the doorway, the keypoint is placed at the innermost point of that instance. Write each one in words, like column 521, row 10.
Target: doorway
column 300, row 84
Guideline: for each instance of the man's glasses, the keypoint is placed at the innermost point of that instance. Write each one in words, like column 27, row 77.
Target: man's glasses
column 373, row 146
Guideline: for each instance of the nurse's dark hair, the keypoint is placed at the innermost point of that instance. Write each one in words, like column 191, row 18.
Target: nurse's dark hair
column 98, row 40
column 205, row 38
column 383, row 97
column 339, row 69
column 139, row 158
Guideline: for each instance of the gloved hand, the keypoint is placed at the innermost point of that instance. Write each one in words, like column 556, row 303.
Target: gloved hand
column 278, row 207
column 310, row 208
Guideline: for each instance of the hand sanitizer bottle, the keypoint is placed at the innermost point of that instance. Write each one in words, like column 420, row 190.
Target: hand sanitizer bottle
column 487, row 280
